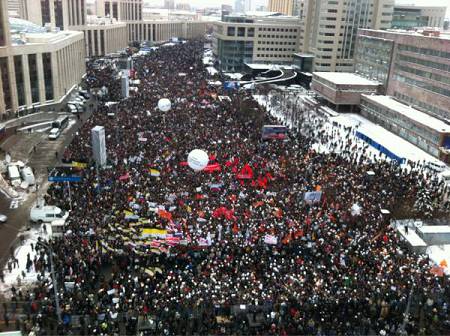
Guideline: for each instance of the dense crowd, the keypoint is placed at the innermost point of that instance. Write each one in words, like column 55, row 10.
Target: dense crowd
column 218, row 253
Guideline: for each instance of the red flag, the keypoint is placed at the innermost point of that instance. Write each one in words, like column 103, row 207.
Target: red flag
column 246, row 172
column 214, row 167
column 165, row 214
column 183, row 163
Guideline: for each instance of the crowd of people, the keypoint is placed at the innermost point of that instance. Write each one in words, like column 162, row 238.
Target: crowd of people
column 235, row 249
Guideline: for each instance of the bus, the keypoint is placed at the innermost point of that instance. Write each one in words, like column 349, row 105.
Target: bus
column 61, row 122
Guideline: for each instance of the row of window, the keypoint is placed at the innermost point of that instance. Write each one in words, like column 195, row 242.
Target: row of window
column 425, row 74
column 291, row 30
column 427, row 63
column 421, row 84
column 276, row 49
column 278, row 36
column 276, row 42
column 404, row 122
column 424, row 51
column 420, row 105
column 273, row 56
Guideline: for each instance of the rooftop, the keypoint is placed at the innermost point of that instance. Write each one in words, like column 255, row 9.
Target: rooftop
column 409, row 112
column 344, row 78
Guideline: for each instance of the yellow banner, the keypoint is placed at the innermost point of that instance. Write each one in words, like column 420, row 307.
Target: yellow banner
column 79, row 164
column 154, row 232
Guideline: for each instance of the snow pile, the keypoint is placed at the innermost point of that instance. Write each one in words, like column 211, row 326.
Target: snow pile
column 211, row 70
column 440, row 255
column 15, row 277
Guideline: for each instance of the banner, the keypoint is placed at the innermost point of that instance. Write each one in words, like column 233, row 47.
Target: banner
column 157, row 233
column 312, row 196
column 155, row 173
column 79, row 164
column 271, row 240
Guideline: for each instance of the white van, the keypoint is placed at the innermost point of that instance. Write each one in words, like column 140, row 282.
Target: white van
column 47, row 213
column 58, row 227
column 28, row 176
column 436, row 166
column 14, row 175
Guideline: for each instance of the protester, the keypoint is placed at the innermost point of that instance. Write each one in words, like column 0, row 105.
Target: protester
column 237, row 249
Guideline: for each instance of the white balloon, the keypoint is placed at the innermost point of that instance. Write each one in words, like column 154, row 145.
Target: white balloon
column 198, row 159
column 164, row 104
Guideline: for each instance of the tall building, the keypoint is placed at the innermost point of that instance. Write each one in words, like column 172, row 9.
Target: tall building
column 414, row 67
column 169, row 4
column 15, row 8
column 285, row 7
column 329, row 28
column 261, row 39
column 122, row 10
column 411, row 17
column 242, row 6
column 37, row 68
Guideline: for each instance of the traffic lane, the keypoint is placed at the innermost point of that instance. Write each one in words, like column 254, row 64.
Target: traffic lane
column 15, row 223
column 19, row 219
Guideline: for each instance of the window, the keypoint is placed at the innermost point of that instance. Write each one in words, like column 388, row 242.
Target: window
column 32, row 65
column 5, row 82
column 251, row 32
column 18, row 68
column 231, row 31
column 241, row 31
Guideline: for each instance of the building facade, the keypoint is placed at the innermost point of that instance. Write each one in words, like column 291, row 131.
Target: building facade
column 426, row 132
column 121, row 10
column 244, row 39
column 414, row 67
column 104, row 36
column 62, row 14
column 285, row 7
column 39, row 70
column 409, row 17
column 342, row 89
column 329, row 29
column 160, row 31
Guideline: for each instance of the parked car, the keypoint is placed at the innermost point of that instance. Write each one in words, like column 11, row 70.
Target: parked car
column 28, row 176
column 54, row 133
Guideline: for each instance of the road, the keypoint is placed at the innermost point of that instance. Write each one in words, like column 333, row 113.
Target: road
column 43, row 157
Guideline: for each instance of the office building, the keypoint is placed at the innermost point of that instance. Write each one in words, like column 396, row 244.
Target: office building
column 121, row 10
column 61, row 14
column 242, row 6
column 37, row 68
column 329, row 29
column 15, row 8
column 104, row 36
column 255, row 39
column 413, row 67
column 342, row 89
column 169, row 4
column 410, row 17
column 285, row 7
column 426, row 132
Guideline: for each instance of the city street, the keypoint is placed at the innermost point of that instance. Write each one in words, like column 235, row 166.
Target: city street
column 20, row 146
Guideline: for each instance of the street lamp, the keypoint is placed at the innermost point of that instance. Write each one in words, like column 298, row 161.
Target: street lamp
column 164, row 105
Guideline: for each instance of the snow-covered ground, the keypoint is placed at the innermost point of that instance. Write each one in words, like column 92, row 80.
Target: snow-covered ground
column 15, row 277
column 350, row 123
column 233, row 75
column 354, row 122
column 211, row 70
column 440, row 253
